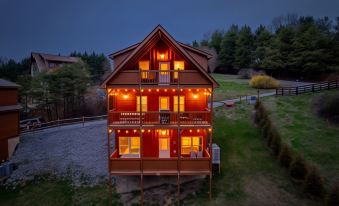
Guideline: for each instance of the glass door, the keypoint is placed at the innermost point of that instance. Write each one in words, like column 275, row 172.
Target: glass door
column 164, row 75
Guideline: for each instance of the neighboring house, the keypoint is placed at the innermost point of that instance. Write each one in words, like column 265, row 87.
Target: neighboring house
column 9, row 118
column 41, row 62
column 158, row 109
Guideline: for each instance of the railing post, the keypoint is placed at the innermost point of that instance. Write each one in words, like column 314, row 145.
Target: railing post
column 83, row 121
column 328, row 85
column 312, row 88
column 58, row 123
column 297, row 90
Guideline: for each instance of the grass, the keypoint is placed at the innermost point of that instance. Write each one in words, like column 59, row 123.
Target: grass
column 231, row 86
column 250, row 174
column 308, row 134
column 50, row 191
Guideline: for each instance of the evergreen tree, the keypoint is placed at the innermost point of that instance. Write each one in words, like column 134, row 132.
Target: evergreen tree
column 216, row 39
column 244, row 48
column 262, row 41
column 228, row 45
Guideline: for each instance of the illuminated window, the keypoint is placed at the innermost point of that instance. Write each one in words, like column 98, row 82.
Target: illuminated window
column 191, row 144
column 163, row 143
column 144, row 67
column 176, row 102
column 178, row 65
column 129, row 145
column 143, row 103
column 164, row 103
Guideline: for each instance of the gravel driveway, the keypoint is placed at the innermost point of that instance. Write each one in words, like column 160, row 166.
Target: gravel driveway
column 70, row 151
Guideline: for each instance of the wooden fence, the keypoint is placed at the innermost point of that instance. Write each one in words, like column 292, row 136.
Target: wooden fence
column 310, row 88
column 61, row 122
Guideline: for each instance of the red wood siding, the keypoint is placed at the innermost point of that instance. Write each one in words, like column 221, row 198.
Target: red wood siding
column 9, row 124
column 126, row 101
column 150, row 140
column 8, row 97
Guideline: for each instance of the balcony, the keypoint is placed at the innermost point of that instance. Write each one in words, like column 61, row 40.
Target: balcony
column 156, row 77
column 160, row 118
column 160, row 166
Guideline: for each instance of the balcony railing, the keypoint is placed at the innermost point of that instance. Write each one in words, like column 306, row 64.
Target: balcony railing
column 160, row 118
column 159, row 77
column 154, row 165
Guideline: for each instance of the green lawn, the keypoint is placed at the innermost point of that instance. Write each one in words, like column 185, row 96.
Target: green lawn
column 250, row 174
column 231, row 86
column 308, row 134
column 54, row 192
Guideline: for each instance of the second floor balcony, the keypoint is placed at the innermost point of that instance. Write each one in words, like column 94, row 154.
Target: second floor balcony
column 160, row 118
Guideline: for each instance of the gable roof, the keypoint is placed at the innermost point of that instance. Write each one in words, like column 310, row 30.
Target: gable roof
column 156, row 34
column 42, row 59
column 188, row 47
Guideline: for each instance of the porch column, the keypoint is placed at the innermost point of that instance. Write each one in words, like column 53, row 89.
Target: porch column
column 141, row 146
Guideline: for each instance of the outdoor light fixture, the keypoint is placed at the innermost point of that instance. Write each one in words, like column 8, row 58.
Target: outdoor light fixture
column 195, row 96
column 173, row 90
column 149, row 90
column 142, row 130
column 133, row 90
column 142, row 90
column 157, row 90
column 162, row 56
column 198, row 130
column 126, row 131
column 119, row 131
column 135, row 131
column 110, row 131
column 126, row 90
column 190, row 131
column 210, row 129
column 149, row 130
column 189, row 90
column 125, row 96
column 181, row 90
column 165, row 90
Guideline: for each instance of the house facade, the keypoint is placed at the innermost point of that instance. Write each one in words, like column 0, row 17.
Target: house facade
column 160, row 109
column 9, row 119
column 42, row 62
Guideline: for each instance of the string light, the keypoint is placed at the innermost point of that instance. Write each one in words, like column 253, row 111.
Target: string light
column 149, row 90
column 142, row 130
column 165, row 90
column 190, row 131
column 110, row 131
column 189, row 90
column 118, row 130
column 173, row 90
column 126, row 131
column 157, row 90
column 135, row 131
column 126, row 90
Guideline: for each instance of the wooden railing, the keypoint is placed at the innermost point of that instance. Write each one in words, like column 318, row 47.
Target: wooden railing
column 157, row 165
column 160, row 118
column 159, row 77
column 310, row 88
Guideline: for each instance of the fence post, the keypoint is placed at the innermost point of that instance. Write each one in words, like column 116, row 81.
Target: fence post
column 58, row 123
column 312, row 88
column 296, row 91
column 83, row 121
column 328, row 85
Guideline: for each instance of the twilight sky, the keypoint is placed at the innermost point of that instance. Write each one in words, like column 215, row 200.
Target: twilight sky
column 62, row 26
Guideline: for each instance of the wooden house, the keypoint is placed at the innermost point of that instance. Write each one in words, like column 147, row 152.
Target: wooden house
column 9, row 118
column 160, row 109
column 49, row 62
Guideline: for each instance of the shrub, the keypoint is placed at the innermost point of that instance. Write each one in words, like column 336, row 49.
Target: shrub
column 275, row 142
column 298, row 168
column 333, row 197
column 327, row 107
column 285, row 156
column 263, row 82
column 314, row 183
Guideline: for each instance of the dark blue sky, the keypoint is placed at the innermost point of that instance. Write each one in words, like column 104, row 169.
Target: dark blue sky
column 62, row 26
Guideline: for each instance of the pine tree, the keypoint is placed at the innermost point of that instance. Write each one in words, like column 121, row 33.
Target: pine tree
column 216, row 39
column 244, row 48
column 262, row 41
column 228, row 45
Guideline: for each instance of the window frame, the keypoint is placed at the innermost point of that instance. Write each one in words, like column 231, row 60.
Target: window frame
column 144, row 105
column 129, row 145
column 176, row 74
column 144, row 75
column 200, row 145
column 181, row 103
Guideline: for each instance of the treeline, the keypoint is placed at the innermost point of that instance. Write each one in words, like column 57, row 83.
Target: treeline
column 291, row 45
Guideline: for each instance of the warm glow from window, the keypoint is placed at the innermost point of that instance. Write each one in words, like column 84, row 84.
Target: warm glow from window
column 129, row 145
column 164, row 133
column 125, row 96
column 191, row 144
column 143, row 103
column 163, row 143
column 178, row 65
column 176, row 102
column 164, row 103
column 162, row 56
column 195, row 96
column 144, row 66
